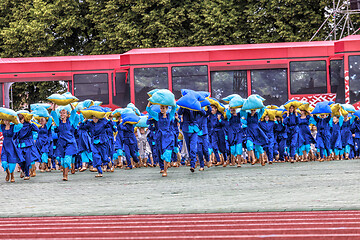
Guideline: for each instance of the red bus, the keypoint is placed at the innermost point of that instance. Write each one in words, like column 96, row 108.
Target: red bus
column 309, row 71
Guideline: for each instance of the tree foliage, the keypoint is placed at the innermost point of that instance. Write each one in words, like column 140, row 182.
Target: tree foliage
column 31, row 28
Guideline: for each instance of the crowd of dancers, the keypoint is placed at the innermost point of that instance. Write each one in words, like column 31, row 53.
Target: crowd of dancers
column 197, row 131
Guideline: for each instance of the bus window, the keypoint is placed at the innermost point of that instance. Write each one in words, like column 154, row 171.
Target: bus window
column 189, row 77
column 92, row 86
column 337, row 79
column 122, row 89
column 354, row 81
column 147, row 79
column 271, row 84
column 308, row 77
column 224, row 83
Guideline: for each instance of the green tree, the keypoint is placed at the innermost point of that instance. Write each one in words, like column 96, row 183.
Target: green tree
column 33, row 92
column 285, row 20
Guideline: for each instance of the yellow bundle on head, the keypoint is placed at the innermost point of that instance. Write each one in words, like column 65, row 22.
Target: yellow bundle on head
column 269, row 112
column 338, row 110
column 62, row 99
column 220, row 107
column 8, row 114
column 294, row 103
column 93, row 111
column 27, row 116
column 304, row 107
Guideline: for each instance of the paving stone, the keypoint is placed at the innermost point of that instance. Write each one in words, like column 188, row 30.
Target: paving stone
column 279, row 187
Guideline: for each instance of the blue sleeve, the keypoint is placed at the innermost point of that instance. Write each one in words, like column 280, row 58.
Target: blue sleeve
column 352, row 119
column 172, row 113
column 49, row 123
column 243, row 113
column 34, row 127
column 341, row 120
column 74, row 118
column 312, row 121
column 181, row 111
column 316, row 118
column 154, row 114
column 228, row 114
column 18, row 127
column 260, row 113
column 208, row 111
column 331, row 122
column 244, row 123
column 55, row 117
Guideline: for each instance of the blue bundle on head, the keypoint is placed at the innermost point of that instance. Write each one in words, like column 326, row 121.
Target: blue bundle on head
column 134, row 108
column 41, row 112
column 228, row 98
column 34, row 106
column 236, row 102
column 205, row 103
column 200, row 96
column 142, row 122
column 253, row 102
column 150, row 93
column 163, row 97
column 189, row 101
column 130, row 118
column 322, row 108
column 348, row 107
column 357, row 113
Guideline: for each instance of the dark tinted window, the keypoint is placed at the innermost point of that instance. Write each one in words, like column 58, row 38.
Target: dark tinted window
column 190, row 77
column 271, row 84
column 308, row 77
column 122, row 90
column 147, row 79
column 337, row 79
column 92, row 86
column 225, row 83
column 354, row 81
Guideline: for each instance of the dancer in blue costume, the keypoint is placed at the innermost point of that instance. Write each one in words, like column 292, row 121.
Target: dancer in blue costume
column 110, row 131
column 10, row 154
column 268, row 128
column 98, row 131
column 119, row 144
column 152, row 141
column 174, row 125
column 190, row 130
column 323, row 135
column 355, row 129
column 346, row 136
column 43, row 142
column 235, row 133
column 24, row 139
column 280, row 136
column 217, row 135
column 203, row 140
column 164, row 136
column 255, row 137
column 130, row 145
column 66, row 145
column 335, row 138
column 307, row 139
column 291, row 120
column 85, row 144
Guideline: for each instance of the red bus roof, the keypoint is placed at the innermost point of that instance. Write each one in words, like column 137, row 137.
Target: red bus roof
column 238, row 52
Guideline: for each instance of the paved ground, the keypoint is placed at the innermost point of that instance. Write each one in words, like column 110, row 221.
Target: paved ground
column 279, row 187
